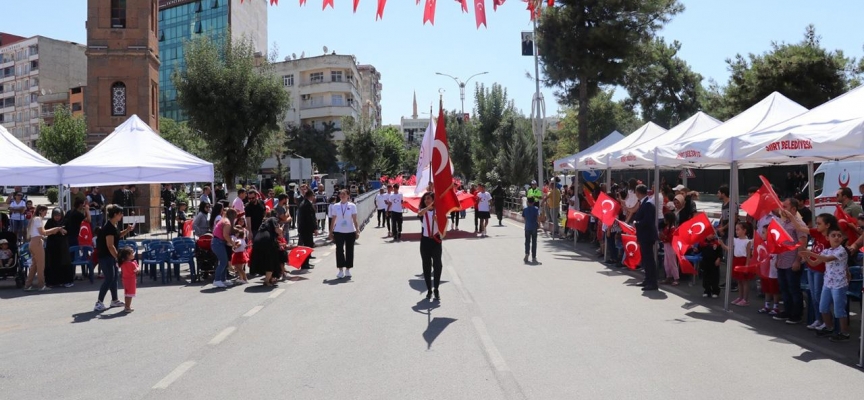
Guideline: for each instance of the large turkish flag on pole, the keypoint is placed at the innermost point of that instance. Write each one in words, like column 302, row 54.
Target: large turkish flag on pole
column 442, row 176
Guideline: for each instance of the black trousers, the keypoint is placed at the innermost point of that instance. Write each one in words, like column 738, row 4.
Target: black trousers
column 397, row 224
column 344, row 249
column 382, row 215
column 499, row 212
column 711, row 278
column 454, row 219
column 476, row 220
column 649, row 264
column 170, row 218
column 430, row 253
column 306, row 238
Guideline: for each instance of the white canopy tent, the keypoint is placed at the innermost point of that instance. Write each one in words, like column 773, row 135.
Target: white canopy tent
column 713, row 148
column 641, row 154
column 20, row 165
column 571, row 162
column 134, row 153
column 600, row 158
column 832, row 131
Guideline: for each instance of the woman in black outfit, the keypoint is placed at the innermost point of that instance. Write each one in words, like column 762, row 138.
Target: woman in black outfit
column 265, row 259
column 58, row 261
column 430, row 246
column 307, row 225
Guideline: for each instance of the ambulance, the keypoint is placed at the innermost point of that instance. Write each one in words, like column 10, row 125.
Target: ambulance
column 830, row 177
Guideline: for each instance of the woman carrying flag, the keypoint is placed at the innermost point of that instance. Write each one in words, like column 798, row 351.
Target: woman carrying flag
column 430, row 246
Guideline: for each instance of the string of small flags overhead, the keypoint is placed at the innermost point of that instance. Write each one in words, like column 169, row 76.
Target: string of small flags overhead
column 533, row 6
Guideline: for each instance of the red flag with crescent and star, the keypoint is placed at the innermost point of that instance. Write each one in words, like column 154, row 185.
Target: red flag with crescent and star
column 762, row 202
column 848, row 225
column 299, row 255
column 632, row 254
column 442, row 176
column 589, row 198
column 606, row 209
column 577, row 220
column 429, row 12
column 480, row 12
column 760, row 261
column 695, row 230
column 85, row 234
column 779, row 240
column 625, row 228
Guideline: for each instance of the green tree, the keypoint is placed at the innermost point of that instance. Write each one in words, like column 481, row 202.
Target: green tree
column 310, row 142
column 359, row 147
column 460, row 135
column 605, row 115
column 516, row 161
column 662, row 85
column 804, row 72
column 390, row 151
column 587, row 44
column 180, row 135
column 492, row 105
column 233, row 100
column 64, row 140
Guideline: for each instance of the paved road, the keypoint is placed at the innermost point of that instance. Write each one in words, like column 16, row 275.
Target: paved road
column 567, row 328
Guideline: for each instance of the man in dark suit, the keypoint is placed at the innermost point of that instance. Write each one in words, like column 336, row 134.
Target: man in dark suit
column 307, row 225
column 645, row 220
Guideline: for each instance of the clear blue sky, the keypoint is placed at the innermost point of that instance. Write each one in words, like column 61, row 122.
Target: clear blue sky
column 408, row 53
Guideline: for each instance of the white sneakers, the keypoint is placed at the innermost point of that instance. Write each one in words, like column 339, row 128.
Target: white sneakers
column 118, row 303
column 816, row 326
column 219, row 284
column 101, row 307
column 341, row 274
column 348, row 273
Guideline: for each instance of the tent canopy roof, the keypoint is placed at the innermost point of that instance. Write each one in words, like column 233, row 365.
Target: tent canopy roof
column 570, row 162
column 641, row 154
column 20, row 165
column 600, row 159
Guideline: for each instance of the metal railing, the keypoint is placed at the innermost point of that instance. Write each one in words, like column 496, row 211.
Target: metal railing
column 365, row 207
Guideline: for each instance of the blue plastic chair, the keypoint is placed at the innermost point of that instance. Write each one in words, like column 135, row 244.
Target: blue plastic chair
column 83, row 255
column 855, row 286
column 158, row 255
column 184, row 253
column 183, row 239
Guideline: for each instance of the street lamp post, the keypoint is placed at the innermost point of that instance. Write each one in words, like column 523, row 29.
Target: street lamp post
column 538, row 109
column 462, row 86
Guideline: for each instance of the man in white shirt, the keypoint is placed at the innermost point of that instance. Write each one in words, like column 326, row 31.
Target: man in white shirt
column 395, row 209
column 381, row 204
column 483, row 202
column 238, row 202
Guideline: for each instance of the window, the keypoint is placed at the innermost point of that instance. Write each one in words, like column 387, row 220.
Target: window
column 288, row 80
column 161, row 35
column 336, row 76
column 818, row 184
column 317, row 101
column 336, row 100
column 118, row 13
column 34, row 98
column 198, row 6
column 76, row 107
column 215, row 4
column 316, row 77
column 34, row 65
column 154, row 98
column 118, row 99
column 197, row 27
column 76, row 90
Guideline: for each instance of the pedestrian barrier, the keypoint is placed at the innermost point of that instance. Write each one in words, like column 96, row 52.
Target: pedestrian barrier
column 365, row 207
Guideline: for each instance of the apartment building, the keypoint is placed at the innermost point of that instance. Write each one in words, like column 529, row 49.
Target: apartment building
column 30, row 68
column 370, row 91
column 72, row 98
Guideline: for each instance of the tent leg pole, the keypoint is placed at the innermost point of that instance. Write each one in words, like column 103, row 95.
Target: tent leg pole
column 811, row 191
column 733, row 216
column 861, row 345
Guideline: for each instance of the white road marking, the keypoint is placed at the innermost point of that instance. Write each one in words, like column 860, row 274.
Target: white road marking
column 516, row 225
column 326, row 254
column 253, row 311
column 276, row 293
column 315, row 261
column 174, row 375
column 458, row 283
column 222, row 335
column 494, row 355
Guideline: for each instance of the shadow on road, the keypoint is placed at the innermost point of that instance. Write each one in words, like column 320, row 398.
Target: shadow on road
column 334, row 282
column 434, row 326
column 419, row 284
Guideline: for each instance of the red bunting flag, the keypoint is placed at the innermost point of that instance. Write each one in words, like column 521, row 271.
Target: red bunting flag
column 429, row 12
column 577, row 220
column 589, row 198
column 606, row 209
column 298, row 256
column 464, row 4
column 302, row 2
column 763, row 201
column 356, row 3
column 632, row 253
column 496, row 3
column 326, row 3
column 550, row 3
column 274, row 2
column 779, row 240
column 442, row 175
column 85, row 234
column 480, row 13
column 626, row 229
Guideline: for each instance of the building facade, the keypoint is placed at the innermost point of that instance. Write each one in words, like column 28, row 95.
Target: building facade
column 183, row 20
column 73, row 99
column 370, row 91
column 32, row 67
column 323, row 89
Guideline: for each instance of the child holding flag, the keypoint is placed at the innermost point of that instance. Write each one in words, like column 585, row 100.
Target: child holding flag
column 741, row 249
column 430, row 246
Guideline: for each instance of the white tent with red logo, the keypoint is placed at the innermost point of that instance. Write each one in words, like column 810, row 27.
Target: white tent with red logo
column 642, row 153
column 714, row 147
column 600, row 159
column 571, row 162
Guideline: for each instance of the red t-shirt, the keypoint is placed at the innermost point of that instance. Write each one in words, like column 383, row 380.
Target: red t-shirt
column 667, row 234
column 820, row 243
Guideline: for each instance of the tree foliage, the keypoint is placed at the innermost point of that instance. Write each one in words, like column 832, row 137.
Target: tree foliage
column 585, row 45
column 234, row 102
column 381, row 150
column 460, row 136
column 605, row 116
column 805, row 72
column 491, row 107
column 518, row 156
column 663, row 86
column 64, row 140
column 316, row 144
column 180, row 135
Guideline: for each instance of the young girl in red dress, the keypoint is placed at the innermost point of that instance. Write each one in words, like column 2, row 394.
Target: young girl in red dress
column 741, row 250
column 129, row 274
column 240, row 257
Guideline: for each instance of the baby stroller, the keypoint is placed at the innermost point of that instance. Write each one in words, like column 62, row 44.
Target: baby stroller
column 205, row 259
column 16, row 267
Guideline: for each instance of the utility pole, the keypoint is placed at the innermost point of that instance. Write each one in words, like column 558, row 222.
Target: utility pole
column 462, row 86
column 538, row 104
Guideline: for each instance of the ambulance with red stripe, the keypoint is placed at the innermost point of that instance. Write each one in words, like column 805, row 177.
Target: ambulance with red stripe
column 831, row 177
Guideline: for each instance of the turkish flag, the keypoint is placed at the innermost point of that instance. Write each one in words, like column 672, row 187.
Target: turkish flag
column 464, row 5
column 356, row 3
column 588, row 196
column 680, row 247
column 762, row 202
column 847, row 224
column 694, row 230
column 326, row 2
column 632, row 253
column 429, row 14
column 760, row 260
column 480, row 13
column 187, row 228
column 496, row 3
column 606, row 209
column 577, row 220
column 85, row 234
column 779, row 240
column 298, row 256
column 626, row 229
column 442, row 176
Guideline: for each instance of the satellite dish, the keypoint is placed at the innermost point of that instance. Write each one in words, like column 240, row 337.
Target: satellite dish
column 302, row 54
column 42, row 91
column 325, row 49
column 294, row 55
column 287, row 58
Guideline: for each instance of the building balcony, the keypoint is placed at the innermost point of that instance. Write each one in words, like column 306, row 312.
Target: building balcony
column 326, row 110
column 328, row 86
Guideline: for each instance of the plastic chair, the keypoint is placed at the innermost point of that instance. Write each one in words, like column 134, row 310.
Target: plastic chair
column 184, row 253
column 159, row 255
column 83, row 255
column 184, row 240
column 855, row 286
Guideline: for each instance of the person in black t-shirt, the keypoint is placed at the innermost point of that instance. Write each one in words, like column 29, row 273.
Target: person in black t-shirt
column 73, row 220
column 254, row 211
column 168, row 199
column 107, row 251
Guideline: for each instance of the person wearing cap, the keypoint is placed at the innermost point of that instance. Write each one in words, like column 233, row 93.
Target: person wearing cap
column 534, row 192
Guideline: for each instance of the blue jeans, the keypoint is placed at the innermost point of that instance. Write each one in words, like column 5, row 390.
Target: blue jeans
column 19, row 227
column 218, row 247
column 96, row 221
column 839, row 299
column 531, row 242
column 815, row 280
column 108, row 265
column 790, row 288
